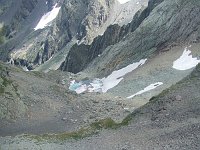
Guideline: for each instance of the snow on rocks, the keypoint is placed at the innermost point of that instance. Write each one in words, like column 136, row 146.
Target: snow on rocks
column 186, row 61
column 146, row 89
column 106, row 83
column 47, row 18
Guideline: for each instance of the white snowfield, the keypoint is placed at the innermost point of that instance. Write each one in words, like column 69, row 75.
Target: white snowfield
column 106, row 83
column 47, row 18
column 186, row 61
column 123, row 1
column 116, row 76
column 146, row 89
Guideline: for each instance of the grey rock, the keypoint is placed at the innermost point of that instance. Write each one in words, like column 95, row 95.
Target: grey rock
column 152, row 35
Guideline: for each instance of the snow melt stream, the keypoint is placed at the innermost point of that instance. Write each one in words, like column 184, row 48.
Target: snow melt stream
column 47, row 18
column 106, row 83
column 146, row 89
column 186, row 61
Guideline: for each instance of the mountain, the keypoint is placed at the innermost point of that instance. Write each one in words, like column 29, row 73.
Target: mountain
column 72, row 23
column 99, row 74
column 152, row 35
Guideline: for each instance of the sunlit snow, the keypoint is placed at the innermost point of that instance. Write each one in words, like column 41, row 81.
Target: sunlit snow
column 146, row 89
column 123, row 1
column 116, row 76
column 25, row 68
column 186, row 61
column 106, row 83
column 47, row 18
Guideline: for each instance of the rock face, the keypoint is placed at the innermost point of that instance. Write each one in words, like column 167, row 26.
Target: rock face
column 82, row 21
column 148, row 31
column 179, row 24
column 19, row 18
column 74, row 22
column 81, row 55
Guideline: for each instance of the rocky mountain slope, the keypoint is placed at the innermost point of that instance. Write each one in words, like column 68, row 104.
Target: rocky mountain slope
column 169, row 121
column 99, row 74
column 31, row 101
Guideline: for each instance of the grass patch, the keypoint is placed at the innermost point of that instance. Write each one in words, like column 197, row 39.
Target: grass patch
column 108, row 123
column 62, row 136
column 104, row 124
column 94, row 128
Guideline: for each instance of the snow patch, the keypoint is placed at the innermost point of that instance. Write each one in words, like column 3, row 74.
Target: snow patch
column 123, row 1
column 47, row 18
column 106, row 83
column 116, row 76
column 146, row 89
column 25, row 68
column 186, row 61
